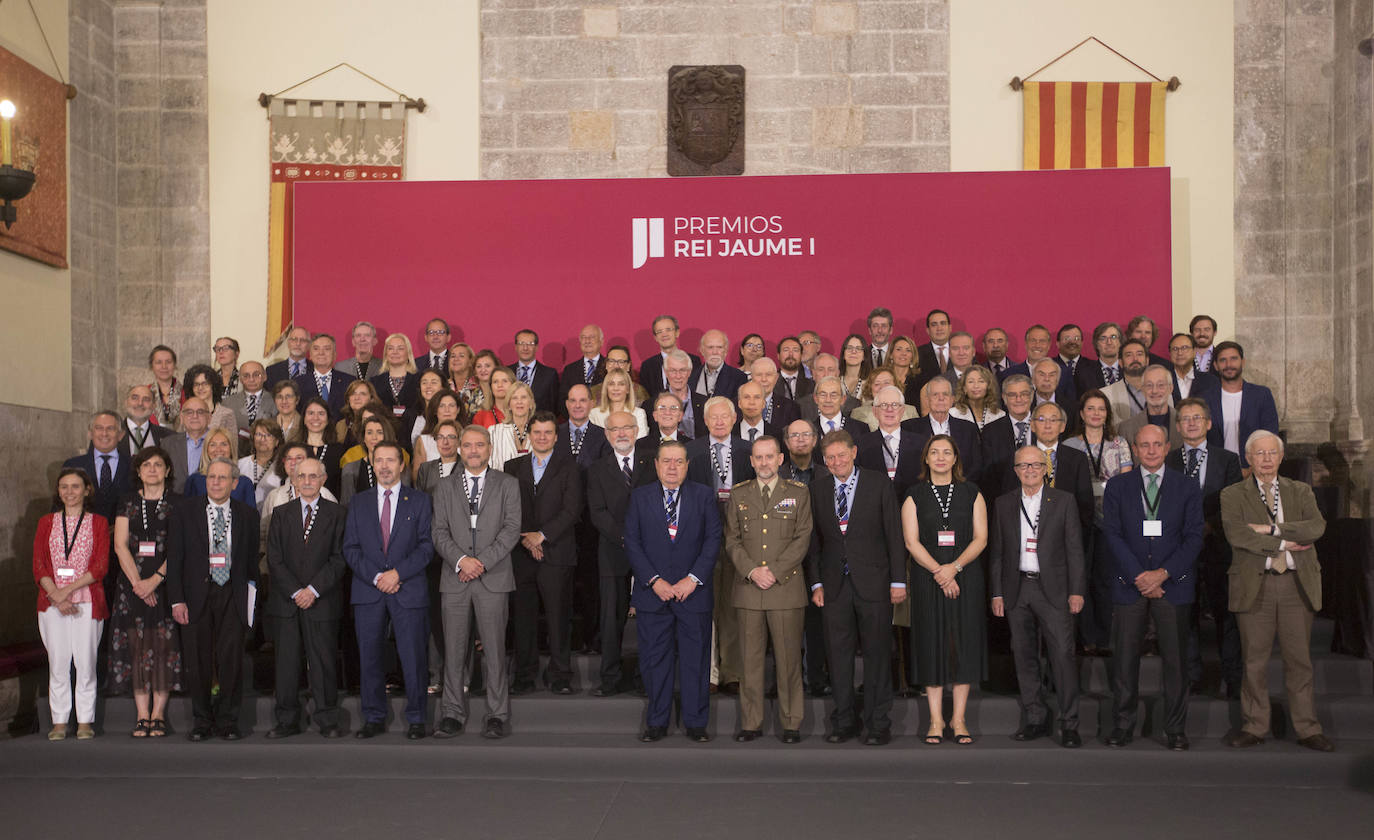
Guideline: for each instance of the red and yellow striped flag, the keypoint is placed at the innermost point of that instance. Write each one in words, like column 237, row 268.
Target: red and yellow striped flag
column 1093, row 125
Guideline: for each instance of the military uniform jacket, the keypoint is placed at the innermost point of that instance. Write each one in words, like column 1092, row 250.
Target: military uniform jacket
column 777, row 536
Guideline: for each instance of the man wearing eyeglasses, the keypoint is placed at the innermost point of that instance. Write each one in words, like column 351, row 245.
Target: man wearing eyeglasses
column 666, row 418
column 588, row 368
column 892, row 450
column 653, row 374
column 810, row 348
column 1037, row 579
column 1068, row 468
column 185, row 446
column 609, row 482
column 436, row 337
column 542, row 379
column 251, row 403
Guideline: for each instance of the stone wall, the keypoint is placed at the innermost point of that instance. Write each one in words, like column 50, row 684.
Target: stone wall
column 579, row 89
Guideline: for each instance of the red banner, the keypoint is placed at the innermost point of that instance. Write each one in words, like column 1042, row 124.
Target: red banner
column 772, row 255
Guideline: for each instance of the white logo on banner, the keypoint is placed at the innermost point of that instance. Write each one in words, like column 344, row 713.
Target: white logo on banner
column 648, row 239
column 709, row 236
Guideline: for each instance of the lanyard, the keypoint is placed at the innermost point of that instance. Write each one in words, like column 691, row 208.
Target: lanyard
column 1270, row 508
column 69, row 544
column 1034, row 526
column 1096, row 462
column 1153, row 509
column 945, row 502
column 1138, row 404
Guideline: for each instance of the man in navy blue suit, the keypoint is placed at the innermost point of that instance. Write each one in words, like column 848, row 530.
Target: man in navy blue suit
column 387, row 545
column 107, row 466
column 672, row 536
column 1152, row 518
column 1239, row 408
column 321, row 379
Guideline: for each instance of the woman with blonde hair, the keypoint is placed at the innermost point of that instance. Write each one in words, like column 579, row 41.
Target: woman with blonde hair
column 220, row 444
column 501, row 385
column 977, row 398
column 904, row 360
column 511, row 439
column 461, row 376
column 398, row 384
column 617, row 394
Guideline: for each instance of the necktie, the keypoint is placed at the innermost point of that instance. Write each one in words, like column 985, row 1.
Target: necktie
column 1192, row 463
column 220, row 574
column 525, row 374
column 766, row 494
column 1109, row 374
column 106, row 475
column 252, row 407
column 474, row 489
column 140, row 434
column 588, row 369
column 831, row 424
column 753, row 433
column 841, row 503
column 940, row 358
column 627, row 469
column 322, row 384
column 386, row 520
column 434, row 361
column 1054, row 462
column 670, row 510
column 722, row 470
column 889, row 455
column 297, row 368
column 577, row 441
column 1021, row 427
column 1151, row 491
column 1073, row 366
column 791, row 386
column 309, row 521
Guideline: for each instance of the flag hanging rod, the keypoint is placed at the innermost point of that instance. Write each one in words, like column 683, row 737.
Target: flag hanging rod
column 265, row 99
column 1173, row 84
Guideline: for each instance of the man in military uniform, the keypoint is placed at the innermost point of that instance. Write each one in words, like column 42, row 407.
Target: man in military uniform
column 768, row 532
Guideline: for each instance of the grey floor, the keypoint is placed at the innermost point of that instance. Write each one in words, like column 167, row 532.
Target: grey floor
column 589, row 786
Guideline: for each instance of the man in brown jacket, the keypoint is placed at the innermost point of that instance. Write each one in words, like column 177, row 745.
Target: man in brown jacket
column 1276, row 586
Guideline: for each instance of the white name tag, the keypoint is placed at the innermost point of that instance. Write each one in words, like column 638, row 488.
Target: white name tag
column 723, row 494
column 945, row 539
column 844, row 526
column 672, row 532
column 398, row 411
column 218, row 561
column 1030, row 544
column 472, row 521
column 243, row 433
column 1153, row 528
column 892, row 473
column 64, row 575
column 146, row 548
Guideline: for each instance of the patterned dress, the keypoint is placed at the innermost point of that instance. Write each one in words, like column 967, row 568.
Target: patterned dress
column 144, row 651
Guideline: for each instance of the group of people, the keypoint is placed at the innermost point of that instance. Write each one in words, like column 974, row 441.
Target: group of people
column 881, row 504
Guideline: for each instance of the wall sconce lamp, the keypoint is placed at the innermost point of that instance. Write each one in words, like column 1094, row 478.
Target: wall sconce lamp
column 15, row 183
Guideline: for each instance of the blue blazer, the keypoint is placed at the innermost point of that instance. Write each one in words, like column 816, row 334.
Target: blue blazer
column 338, row 383
column 1257, row 411
column 1180, row 512
column 652, row 554
column 409, row 551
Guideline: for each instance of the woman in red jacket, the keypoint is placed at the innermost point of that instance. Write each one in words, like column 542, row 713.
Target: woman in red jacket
column 71, row 552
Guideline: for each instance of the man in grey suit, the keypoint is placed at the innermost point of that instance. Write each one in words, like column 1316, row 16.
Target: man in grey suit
column 185, row 446
column 476, row 524
column 1037, row 581
column 251, row 402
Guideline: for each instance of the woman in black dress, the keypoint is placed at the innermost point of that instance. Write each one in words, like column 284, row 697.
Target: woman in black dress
column 144, row 654
column 945, row 527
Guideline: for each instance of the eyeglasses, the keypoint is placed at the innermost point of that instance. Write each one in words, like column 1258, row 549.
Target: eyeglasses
column 446, row 437
column 224, row 348
column 526, row 344
column 194, row 412
column 1191, row 418
column 669, row 409
column 800, row 435
column 752, row 345
column 436, row 332
column 1030, row 466
column 888, row 406
column 806, row 341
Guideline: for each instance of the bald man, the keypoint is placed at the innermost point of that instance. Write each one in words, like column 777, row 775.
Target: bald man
column 715, row 377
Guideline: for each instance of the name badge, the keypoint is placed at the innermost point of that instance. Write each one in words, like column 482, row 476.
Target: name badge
column 672, row 532
column 243, row 433
column 472, row 521
column 398, row 411
column 1153, row 528
column 723, row 494
column 218, row 561
column 146, row 548
column 64, row 575
column 844, row 526
column 945, row 539
column 892, row 473
column 1031, row 542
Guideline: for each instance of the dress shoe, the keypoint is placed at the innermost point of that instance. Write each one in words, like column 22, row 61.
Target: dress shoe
column 606, row 690
column 85, row 732
column 1119, row 738
column 653, row 733
column 494, row 729
column 1318, row 742
column 878, row 738
column 415, row 732
column 697, row 734
column 59, row 733
column 370, row 730
column 1241, row 738
column 744, row 736
column 791, row 736
column 230, row 733
column 1070, row 739
column 331, row 732
column 282, row 731
column 839, row 736
column 562, row 687
column 448, row 728
column 819, row 691
column 200, row 733
column 1177, row 743
column 520, row 687
column 1030, row 732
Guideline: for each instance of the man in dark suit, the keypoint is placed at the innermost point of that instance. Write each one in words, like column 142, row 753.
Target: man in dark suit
column 1069, row 469
column 1107, row 368
column 583, row 442
column 305, row 602
column 792, row 378
column 692, row 415
column 672, row 539
column 578, row 437
column 1037, row 579
column 1038, row 347
column 542, row 379
column 891, row 450
column 653, row 373
column 297, row 361
column 588, row 368
column 546, row 558
column 387, row 544
column 856, row 578
column 1214, row 469
column 212, row 561
column 995, row 346
column 938, row 422
column 609, row 482
column 322, row 380
column 879, row 323
column 715, row 377
column 718, row 460
column 1152, row 519
column 932, row 357
column 778, row 408
column 436, row 341
column 664, row 422
column 827, row 366
column 1070, row 355
column 1239, row 408
column 106, row 464
column 138, row 429
column 184, row 447
column 830, row 409
column 751, row 425
column 1006, row 434
column 1188, row 380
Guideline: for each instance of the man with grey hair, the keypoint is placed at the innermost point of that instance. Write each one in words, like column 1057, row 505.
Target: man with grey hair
column 653, row 374
column 1276, row 586
column 588, row 368
column 677, row 372
column 364, row 364
column 880, row 335
column 212, row 562
column 1157, row 385
column 715, row 377
column 778, row 407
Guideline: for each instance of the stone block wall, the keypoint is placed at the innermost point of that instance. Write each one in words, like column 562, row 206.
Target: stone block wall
column 579, row 89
